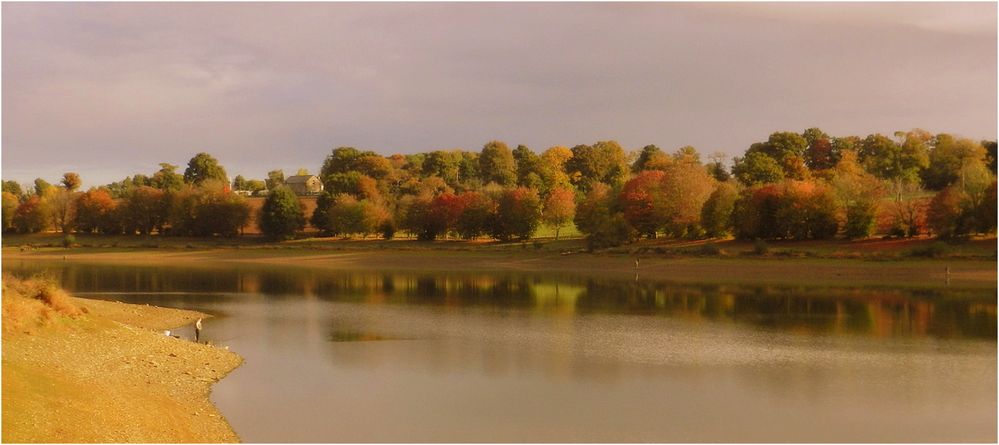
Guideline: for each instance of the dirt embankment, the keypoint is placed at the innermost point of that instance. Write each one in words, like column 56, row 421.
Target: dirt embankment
column 78, row 370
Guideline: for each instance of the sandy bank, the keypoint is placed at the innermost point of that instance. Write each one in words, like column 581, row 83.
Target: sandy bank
column 107, row 375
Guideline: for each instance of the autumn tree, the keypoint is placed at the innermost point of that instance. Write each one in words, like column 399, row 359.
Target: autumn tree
column 559, row 208
column 477, row 210
column 858, row 194
column 30, row 216
column 518, row 214
column 144, row 209
column 282, row 214
column 820, row 153
column 60, row 205
column 945, row 215
column 597, row 217
column 71, row 181
column 643, row 202
column 96, row 211
column 551, row 168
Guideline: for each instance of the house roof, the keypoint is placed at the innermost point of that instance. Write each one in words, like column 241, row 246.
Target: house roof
column 299, row 179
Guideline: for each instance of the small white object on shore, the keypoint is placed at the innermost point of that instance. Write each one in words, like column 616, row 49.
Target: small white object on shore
column 166, row 333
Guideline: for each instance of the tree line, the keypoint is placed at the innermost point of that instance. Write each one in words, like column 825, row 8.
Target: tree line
column 807, row 185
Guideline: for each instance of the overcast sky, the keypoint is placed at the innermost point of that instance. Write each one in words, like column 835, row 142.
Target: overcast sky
column 112, row 89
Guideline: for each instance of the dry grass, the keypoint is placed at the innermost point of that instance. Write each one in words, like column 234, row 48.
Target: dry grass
column 34, row 302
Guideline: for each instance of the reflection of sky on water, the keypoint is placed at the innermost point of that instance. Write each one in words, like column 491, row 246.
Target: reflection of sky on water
column 454, row 357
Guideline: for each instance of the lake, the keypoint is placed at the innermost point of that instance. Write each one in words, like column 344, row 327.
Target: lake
column 382, row 356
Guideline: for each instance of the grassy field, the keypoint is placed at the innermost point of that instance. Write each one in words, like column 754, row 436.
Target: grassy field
column 79, row 370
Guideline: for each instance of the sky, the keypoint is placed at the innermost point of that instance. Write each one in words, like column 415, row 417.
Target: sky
column 113, row 89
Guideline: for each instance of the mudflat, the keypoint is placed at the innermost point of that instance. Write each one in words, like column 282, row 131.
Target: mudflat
column 107, row 373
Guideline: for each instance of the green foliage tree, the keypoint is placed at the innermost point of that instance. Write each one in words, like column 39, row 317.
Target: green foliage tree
column 443, row 164
column 239, row 183
column 528, row 167
column 604, row 161
column 949, row 159
column 282, row 214
column 757, row 168
column 167, row 178
column 275, row 179
column 41, row 186
column 716, row 214
column 10, row 203
column 895, row 162
column 203, row 167
column 13, row 188
column 990, row 159
column 496, row 164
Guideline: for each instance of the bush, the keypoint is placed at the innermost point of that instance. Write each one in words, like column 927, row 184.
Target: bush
column 709, row 248
column 68, row 241
column 935, row 250
column 761, row 247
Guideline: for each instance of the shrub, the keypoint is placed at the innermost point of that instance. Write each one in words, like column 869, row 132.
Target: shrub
column 761, row 247
column 68, row 241
column 709, row 248
column 935, row 250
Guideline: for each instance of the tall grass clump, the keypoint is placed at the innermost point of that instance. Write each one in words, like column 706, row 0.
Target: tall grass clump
column 33, row 301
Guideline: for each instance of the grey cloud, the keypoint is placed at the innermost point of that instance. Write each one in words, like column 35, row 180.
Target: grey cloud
column 111, row 89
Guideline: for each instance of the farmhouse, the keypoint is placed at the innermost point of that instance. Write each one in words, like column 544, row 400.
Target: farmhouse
column 305, row 184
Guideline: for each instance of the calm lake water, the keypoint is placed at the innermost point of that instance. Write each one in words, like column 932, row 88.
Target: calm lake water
column 385, row 357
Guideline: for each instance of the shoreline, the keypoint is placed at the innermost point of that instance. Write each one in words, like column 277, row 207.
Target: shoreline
column 110, row 375
column 767, row 270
